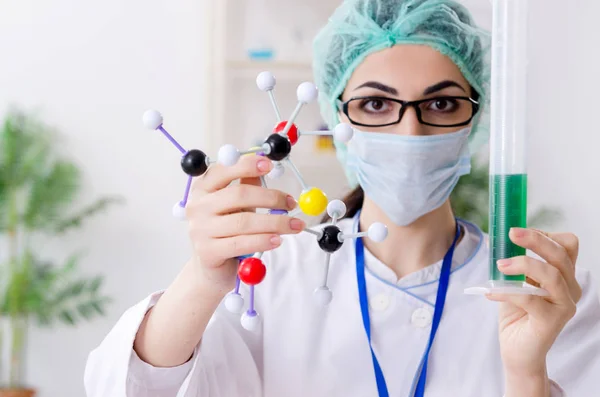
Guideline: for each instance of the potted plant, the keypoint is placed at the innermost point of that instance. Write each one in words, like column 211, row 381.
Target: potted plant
column 37, row 191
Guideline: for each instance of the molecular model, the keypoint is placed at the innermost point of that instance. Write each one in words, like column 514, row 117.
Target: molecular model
column 277, row 147
column 331, row 239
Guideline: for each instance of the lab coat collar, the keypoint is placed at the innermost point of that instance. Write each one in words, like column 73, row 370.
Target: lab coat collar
column 464, row 252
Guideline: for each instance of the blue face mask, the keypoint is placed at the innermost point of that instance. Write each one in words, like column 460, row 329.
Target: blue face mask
column 408, row 176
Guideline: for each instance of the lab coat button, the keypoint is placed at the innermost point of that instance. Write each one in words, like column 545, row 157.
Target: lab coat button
column 421, row 318
column 380, row 302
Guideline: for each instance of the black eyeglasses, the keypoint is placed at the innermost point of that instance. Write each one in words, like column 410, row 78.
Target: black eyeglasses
column 379, row 111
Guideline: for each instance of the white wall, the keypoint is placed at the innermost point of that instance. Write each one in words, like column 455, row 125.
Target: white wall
column 93, row 69
column 563, row 83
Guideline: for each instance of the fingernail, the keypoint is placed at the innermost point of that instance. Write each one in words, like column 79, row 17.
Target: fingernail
column 518, row 232
column 263, row 165
column 504, row 262
column 291, row 202
column 297, row 224
column 275, row 241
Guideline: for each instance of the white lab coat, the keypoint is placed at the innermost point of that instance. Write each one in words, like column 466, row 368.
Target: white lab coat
column 303, row 349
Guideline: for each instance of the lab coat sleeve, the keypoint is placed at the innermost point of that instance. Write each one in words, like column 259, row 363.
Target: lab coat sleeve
column 574, row 359
column 556, row 390
column 223, row 364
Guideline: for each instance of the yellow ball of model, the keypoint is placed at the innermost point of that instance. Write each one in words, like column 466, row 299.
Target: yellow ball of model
column 312, row 201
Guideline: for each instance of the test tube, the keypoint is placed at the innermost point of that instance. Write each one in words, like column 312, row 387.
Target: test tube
column 508, row 173
column 508, row 135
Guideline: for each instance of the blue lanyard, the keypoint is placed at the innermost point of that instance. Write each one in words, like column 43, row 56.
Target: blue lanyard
column 437, row 315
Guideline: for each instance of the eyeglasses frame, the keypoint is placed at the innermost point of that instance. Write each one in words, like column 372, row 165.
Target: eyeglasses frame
column 408, row 104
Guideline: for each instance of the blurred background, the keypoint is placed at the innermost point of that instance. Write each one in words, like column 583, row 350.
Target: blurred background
column 89, row 71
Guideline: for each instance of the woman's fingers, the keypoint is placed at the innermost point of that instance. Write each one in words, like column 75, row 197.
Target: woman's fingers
column 252, row 223
column 568, row 241
column 559, row 250
column 548, row 276
column 247, row 223
column 548, row 249
column 222, row 249
column 240, row 197
column 218, row 177
column 557, row 307
column 557, row 276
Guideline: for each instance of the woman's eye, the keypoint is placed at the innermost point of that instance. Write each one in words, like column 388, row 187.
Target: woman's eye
column 442, row 105
column 374, row 105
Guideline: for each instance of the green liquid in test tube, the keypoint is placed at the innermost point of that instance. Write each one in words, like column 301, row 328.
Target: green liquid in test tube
column 508, row 208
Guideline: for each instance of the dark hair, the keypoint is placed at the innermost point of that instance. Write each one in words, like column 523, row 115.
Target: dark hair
column 354, row 199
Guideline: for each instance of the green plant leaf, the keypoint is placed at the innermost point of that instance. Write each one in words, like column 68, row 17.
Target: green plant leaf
column 26, row 146
column 93, row 306
column 70, row 265
column 85, row 310
column 43, row 318
column 3, row 202
column 50, row 194
column 77, row 288
column 67, row 317
column 68, row 293
column 99, row 307
column 95, row 284
column 76, row 220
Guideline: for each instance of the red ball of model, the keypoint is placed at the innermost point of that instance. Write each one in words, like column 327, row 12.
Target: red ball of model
column 292, row 133
column 252, row 271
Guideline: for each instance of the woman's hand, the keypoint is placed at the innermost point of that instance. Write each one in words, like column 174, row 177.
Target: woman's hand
column 529, row 325
column 223, row 224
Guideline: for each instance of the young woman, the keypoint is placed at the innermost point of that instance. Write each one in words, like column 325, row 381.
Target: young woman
column 410, row 76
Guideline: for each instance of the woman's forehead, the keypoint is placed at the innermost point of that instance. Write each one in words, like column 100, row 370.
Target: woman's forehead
column 407, row 68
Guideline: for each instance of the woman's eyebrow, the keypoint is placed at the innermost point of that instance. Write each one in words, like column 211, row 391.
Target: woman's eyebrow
column 440, row 86
column 378, row 86
column 429, row 90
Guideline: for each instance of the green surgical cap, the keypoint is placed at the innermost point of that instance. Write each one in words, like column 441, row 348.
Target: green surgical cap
column 361, row 27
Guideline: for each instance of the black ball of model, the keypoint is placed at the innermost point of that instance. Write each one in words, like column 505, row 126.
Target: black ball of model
column 280, row 147
column 194, row 163
column 329, row 241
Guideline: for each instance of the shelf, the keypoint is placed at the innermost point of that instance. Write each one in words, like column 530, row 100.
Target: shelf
column 278, row 64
